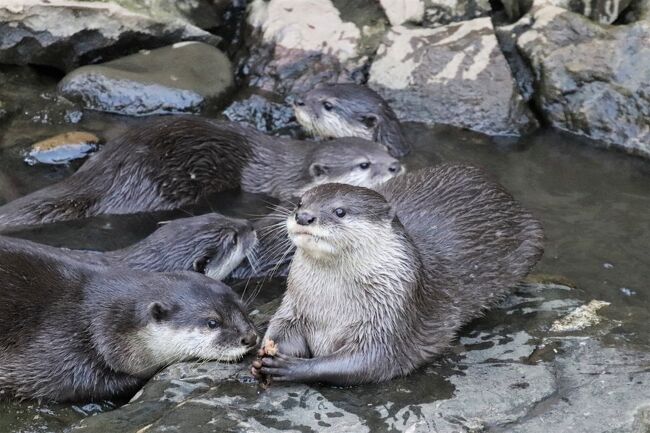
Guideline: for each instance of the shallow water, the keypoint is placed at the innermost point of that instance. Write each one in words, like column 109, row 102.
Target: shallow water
column 594, row 204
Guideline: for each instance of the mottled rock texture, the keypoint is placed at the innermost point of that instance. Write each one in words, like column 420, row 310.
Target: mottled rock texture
column 455, row 74
column 590, row 79
column 65, row 34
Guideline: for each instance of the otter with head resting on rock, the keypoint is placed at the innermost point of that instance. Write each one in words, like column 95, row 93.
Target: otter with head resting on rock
column 70, row 331
column 173, row 162
column 350, row 110
column 381, row 280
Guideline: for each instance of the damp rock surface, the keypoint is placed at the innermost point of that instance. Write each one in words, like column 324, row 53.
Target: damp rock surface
column 591, row 80
column 181, row 78
column 65, row 34
column 455, row 74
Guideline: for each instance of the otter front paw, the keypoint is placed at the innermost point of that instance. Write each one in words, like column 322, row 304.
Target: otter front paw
column 283, row 368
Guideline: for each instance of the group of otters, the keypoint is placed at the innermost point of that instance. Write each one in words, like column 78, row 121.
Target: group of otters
column 386, row 266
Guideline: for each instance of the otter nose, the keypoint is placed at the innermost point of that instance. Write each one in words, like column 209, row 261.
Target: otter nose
column 305, row 218
column 394, row 167
column 249, row 340
column 298, row 102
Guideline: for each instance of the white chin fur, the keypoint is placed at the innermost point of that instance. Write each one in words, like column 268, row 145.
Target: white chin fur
column 310, row 239
column 168, row 344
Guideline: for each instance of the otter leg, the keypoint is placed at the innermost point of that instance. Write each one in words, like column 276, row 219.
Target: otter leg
column 341, row 369
column 287, row 338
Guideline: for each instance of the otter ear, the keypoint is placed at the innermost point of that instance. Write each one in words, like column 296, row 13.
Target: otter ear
column 317, row 170
column 158, row 311
column 370, row 120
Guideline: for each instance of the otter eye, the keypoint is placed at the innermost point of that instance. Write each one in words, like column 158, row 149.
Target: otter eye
column 235, row 238
column 340, row 212
column 327, row 105
column 299, row 204
column 212, row 324
column 200, row 264
column 364, row 165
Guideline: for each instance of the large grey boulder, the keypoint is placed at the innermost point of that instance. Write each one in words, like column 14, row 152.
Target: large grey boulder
column 455, row 74
column 184, row 77
column 591, row 80
column 67, row 33
column 296, row 45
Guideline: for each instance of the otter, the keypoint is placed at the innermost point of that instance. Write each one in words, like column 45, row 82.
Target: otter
column 210, row 244
column 382, row 280
column 169, row 163
column 350, row 110
column 71, row 331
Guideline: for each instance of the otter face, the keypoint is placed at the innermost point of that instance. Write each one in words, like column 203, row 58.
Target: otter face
column 206, row 321
column 210, row 244
column 352, row 161
column 350, row 110
column 336, row 219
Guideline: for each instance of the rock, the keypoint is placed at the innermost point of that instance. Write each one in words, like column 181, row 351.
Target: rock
column 67, row 33
column 591, row 80
column 261, row 113
column 580, row 318
column 602, row 11
column 454, row 74
column 295, row 45
column 402, row 11
column 184, row 77
column 62, row 148
column 441, row 12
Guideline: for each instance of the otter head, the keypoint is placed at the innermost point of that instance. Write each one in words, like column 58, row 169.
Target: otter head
column 336, row 220
column 353, row 161
column 350, row 110
column 210, row 244
column 199, row 319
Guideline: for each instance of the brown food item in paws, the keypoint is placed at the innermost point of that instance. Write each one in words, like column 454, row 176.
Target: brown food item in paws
column 270, row 348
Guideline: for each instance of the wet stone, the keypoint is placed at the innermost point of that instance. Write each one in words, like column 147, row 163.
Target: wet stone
column 261, row 113
column 455, row 74
column 181, row 78
column 592, row 80
column 62, row 148
column 296, row 45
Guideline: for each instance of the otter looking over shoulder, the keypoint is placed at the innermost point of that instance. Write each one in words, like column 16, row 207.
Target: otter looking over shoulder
column 72, row 331
column 350, row 110
column 173, row 162
column 381, row 280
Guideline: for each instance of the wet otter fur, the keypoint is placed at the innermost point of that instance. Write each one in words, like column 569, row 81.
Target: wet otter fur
column 76, row 332
column 173, row 162
column 350, row 110
column 382, row 280
column 211, row 244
